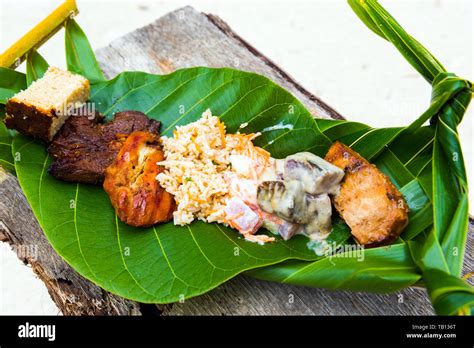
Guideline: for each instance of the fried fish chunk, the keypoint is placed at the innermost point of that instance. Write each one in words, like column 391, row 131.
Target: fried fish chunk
column 370, row 204
column 131, row 184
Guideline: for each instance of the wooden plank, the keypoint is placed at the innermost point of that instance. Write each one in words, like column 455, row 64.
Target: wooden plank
column 186, row 38
column 73, row 294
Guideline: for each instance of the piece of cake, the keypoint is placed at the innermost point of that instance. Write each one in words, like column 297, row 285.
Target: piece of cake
column 42, row 108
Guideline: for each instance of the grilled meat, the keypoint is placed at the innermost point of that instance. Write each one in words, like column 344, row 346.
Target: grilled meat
column 85, row 146
column 131, row 183
column 370, row 204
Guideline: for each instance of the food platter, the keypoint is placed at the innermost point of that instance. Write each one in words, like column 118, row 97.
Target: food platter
column 125, row 272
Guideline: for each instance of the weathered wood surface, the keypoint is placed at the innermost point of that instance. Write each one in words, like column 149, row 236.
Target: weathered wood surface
column 71, row 292
column 186, row 38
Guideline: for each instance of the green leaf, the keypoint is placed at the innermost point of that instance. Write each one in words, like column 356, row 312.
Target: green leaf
column 6, row 157
column 167, row 263
column 438, row 165
column 454, row 240
column 11, row 82
column 384, row 269
column 80, row 57
column 357, row 7
column 450, row 295
column 159, row 265
column 339, row 236
column 36, row 66
column 421, row 210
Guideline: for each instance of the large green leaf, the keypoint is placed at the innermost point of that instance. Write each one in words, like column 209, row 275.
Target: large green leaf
column 380, row 270
column 36, row 66
column 11, row 82
column 438, row 165
column 79, row 55
column 165, row 263
column 160, row 264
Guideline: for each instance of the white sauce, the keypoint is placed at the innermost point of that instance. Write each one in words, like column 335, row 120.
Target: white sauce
column 277, row 127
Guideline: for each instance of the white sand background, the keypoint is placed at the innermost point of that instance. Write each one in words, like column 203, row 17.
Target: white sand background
column 320, row 43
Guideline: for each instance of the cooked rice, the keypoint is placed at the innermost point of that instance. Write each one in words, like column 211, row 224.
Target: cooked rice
column 198, row 166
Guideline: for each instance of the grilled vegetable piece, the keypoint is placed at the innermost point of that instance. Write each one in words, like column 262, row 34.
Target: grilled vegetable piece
column 370, row 204
column 85, row 146
column 318, row 215
column 316, row 175
column 131, row 183
column 280, row 198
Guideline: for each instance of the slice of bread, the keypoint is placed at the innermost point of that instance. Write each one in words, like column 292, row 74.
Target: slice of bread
column 42, row 108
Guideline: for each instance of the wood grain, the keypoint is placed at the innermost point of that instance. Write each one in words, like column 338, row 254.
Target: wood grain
column 186, row 38
column 73, row 294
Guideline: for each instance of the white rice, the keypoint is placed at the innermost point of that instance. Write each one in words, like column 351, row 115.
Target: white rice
column 198, row 166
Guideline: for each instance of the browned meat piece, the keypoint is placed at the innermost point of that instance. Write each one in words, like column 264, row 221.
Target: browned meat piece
column 370, row 204
column 85, row 146
column 131, row 183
